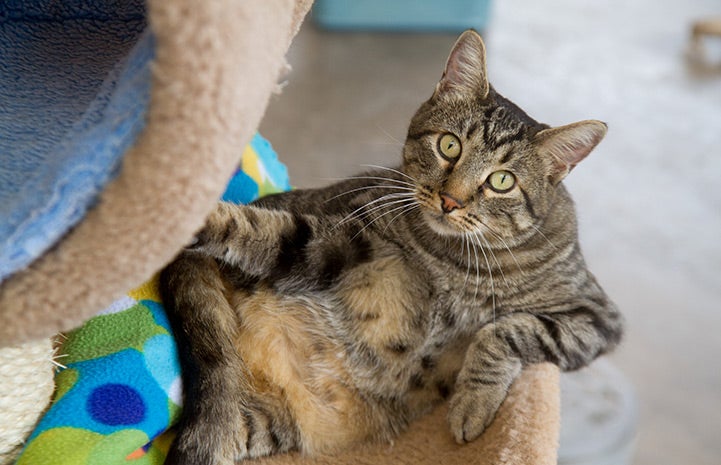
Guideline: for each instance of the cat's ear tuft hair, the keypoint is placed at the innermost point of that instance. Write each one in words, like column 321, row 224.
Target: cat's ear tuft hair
column 465, row 71
column 566, row 146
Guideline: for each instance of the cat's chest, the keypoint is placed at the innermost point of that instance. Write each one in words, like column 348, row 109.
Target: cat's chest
column 385, row 302
column 398, row 308
column 397, row 328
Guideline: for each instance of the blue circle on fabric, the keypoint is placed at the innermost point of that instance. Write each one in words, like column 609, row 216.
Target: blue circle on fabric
column 116, row 404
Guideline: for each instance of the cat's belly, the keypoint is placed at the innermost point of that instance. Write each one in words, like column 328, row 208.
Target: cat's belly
column 354, row 372
column 293, row 361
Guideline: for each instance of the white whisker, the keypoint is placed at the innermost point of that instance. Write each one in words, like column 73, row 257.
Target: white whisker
column 392, row 170
column 510, row 252
column 357, row 212
column 493, row 288
column 381, row 202
column 393, row 144
column 467, row 248
column 478, row 267
column 378, row 178
column 390, row 201
column 493, row 255
column 405, row 205
column 407, row 210
column 56, row 363
column 505, row 244
column 468, row 256
column 358, row 189
column 390, row 136
column 538, row 230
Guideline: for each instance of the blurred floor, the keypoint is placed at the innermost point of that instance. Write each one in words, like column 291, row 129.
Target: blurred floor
column 648, row 198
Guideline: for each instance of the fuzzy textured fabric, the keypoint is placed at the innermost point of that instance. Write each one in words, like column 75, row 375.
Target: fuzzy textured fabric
column 120, row 387
column 215, row 66
column 64, row 127
column 27, row 384
column 120, row 390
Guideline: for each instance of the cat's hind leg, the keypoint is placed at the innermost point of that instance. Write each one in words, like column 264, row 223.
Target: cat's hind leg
column 223, row 418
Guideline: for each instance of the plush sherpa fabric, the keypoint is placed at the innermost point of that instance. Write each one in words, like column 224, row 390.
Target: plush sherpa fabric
column 215, row 67
column 119, row 388
column 64, row 127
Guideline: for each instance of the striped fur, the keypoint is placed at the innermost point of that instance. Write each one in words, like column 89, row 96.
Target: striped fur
column 318, row 319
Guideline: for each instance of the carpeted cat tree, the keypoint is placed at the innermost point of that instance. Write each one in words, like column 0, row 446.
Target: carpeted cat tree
column 120, row 126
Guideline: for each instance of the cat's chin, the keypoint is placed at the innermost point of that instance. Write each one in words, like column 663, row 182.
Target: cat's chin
column 439, row 224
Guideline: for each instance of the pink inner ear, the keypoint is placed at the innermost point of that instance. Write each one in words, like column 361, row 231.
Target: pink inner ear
column 466, row 66
column 572, row 152
column 570, row 144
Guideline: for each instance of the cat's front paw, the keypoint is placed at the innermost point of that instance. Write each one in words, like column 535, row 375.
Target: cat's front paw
column 214, row 233
column 195, row 243
column 472, row 409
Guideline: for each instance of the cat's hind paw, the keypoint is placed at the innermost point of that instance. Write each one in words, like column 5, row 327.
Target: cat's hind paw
column 259, row 439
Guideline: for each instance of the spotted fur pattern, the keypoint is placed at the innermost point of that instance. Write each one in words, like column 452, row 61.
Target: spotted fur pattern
column 318, row 319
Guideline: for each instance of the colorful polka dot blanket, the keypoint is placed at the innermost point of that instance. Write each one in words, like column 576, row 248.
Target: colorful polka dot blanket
column 119, row 390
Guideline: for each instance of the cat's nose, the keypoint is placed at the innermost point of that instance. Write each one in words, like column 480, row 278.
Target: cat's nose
column 449, row 203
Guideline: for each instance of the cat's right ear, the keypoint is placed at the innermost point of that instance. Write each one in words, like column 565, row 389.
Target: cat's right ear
column 465, row 71
column 564, row 147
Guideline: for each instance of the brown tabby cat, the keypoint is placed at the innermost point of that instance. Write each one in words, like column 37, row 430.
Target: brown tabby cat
column 317, row 319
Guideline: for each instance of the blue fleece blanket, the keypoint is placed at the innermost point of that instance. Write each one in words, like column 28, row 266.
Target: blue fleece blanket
column 119, row 390
column 74, row 86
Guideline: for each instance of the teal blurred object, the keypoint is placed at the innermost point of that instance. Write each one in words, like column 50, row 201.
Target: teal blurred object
column 403, row 15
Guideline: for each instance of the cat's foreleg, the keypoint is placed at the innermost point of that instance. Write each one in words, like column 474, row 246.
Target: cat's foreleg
column 569, row 338
column 251, row 238
column 287, row 250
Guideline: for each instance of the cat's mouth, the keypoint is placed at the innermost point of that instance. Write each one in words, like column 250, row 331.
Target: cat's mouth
column 441, row 223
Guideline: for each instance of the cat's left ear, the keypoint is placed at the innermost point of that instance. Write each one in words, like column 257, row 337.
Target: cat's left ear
column 465, row 71
column 565, row 146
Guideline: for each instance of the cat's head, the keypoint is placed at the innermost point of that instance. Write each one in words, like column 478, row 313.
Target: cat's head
column 480, row 162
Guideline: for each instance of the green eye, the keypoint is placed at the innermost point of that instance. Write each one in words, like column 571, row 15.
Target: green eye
column 501, row 181
column 449, row 146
